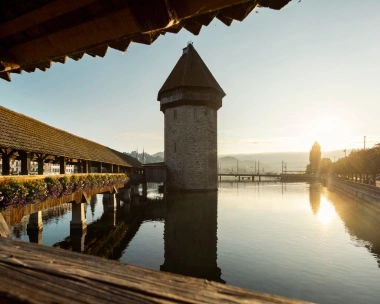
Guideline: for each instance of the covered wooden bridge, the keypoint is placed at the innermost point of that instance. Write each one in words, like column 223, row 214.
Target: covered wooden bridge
column 26, row 139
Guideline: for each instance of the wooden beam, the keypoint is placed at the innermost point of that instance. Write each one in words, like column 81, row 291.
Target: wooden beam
column 121, row 45
column 62, row 165
column 193, row 27
column 45, row 13
column 25, row 163
column 61, row 59
column 6, row 76
column 239, row 12
column 43, row 66
column 42, row 274
column 100, row 51
column 6, row 168
column 76, row 39
column 7, row 66
column 76, row 56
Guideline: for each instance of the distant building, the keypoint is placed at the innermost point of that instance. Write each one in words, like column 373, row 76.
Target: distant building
column 190, row 99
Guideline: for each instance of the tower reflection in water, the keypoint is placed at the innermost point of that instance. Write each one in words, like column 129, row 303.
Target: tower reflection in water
column 191, row 235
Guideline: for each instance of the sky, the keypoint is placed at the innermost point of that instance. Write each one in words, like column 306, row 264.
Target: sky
column 309, row 72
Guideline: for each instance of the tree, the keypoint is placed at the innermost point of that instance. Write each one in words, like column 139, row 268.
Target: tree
column 325, row 166
column 315, row 157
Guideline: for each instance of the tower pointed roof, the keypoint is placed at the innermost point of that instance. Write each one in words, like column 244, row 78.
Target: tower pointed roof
column 190, row 71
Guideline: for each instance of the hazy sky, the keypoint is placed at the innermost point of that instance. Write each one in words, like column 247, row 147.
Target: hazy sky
column 308, row 72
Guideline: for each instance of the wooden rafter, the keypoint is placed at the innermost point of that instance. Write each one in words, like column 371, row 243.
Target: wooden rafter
column 33, row 33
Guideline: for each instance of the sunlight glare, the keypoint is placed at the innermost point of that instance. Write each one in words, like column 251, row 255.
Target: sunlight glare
column 326, row 212
column 331, row 132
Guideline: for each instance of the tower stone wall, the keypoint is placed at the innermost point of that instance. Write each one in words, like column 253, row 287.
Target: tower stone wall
column 190, row 99
column 191, row 147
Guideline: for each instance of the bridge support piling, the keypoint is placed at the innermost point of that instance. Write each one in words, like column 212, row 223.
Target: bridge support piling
column 35, row 227
column 127, row 206
column 35, row 236
column 78, row 221
column 77, row 239
column 111, row 210
column 35, row 221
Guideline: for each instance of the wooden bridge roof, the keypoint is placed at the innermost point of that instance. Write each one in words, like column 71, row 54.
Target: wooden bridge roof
column 35, row 33
column 22, row 133
column 190, row 71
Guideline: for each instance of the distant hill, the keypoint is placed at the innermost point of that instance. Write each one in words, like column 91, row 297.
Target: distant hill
column 270, row 162
column 146, row 158
column 266, row 162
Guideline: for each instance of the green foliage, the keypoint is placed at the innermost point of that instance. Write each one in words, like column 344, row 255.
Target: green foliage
column 325, row 165
column 359, row 162
column 315, row 157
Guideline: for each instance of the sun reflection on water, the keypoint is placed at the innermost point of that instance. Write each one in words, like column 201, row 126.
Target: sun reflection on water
column 326, row 211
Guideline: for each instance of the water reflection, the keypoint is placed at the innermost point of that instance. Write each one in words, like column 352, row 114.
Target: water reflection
column 296, row 240
column 191, row 235
column 321, row 207
column 315, row 197
column 362, row 221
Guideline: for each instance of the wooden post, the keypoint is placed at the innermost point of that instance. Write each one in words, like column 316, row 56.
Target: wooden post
column 62, row 165
column 25, row 163
column 110, row 166
column 40, row 163
column 100, row 168
column 6, row 170
column 85, row 166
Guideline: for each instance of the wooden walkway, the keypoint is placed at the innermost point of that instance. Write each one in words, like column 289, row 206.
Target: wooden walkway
column 32, row 273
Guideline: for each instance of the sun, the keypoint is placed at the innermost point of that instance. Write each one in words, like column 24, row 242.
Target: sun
column 331, row 132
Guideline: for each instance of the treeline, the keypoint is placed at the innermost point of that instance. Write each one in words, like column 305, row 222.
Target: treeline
column 358, row 162
column 362, row 161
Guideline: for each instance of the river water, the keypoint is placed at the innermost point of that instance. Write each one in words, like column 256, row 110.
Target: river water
column 297, row 240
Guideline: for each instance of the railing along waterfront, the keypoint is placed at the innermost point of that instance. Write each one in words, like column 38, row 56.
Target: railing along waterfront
column 357, row 190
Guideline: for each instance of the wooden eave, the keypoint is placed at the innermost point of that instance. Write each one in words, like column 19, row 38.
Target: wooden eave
column 35, row 33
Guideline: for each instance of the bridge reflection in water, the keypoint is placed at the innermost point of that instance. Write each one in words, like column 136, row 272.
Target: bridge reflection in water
column 190, row 229
column 190, row 226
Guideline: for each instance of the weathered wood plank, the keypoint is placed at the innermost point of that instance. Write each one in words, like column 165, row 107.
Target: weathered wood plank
column 4, row 229
column 40, row 274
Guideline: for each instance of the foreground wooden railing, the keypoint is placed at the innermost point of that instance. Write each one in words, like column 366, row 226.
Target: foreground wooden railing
column 32, row 273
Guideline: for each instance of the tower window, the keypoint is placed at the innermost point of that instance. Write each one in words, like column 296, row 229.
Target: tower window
column 175, row 114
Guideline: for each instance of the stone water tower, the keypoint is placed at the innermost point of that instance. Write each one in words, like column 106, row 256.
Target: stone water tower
column 190, row 99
